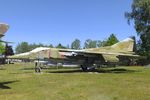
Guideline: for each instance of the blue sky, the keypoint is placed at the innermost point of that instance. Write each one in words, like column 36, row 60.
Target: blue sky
column 61, row 21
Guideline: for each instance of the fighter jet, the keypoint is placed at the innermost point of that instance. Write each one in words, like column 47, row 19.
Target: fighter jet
column 121, row 52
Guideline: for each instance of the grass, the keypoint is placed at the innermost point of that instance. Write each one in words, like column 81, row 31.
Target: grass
column 19, row 82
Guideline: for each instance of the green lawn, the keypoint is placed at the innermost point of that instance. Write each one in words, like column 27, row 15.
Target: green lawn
column 19, row 82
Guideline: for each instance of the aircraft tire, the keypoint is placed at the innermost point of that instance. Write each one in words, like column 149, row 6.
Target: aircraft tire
column 84, row 68
column 37, row 69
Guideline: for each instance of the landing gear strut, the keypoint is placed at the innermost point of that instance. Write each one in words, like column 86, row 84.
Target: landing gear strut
column 88, row 64
column 37, row 67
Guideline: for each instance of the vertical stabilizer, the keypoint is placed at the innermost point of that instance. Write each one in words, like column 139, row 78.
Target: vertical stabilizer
column 126, row 45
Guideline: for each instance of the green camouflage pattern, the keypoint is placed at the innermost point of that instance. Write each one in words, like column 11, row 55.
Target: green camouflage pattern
column 124, row 48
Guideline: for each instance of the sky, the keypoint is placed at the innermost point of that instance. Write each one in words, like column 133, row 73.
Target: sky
column 62, row 21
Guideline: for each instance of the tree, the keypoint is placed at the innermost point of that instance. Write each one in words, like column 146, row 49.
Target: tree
column 90, row 44
column 67, row 47
column 101, row 43
column 9, row 51
column 60, row 46
column 25, row 47
column 51, row 46
column 93, row 44
column 2, row 48
column 22, row 47
column 76, row 44
column 111, row 40
column 140, row 15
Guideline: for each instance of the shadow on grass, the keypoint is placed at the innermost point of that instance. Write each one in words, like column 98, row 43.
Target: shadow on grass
column 49, row 68
column 3, row 84
column 77, row 70
column 67, row 71
column 116, row 70
column 27, row 69
column 2, row 69
column 21, row 73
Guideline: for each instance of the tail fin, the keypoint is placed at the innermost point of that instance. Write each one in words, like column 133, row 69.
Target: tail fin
column 128, row 44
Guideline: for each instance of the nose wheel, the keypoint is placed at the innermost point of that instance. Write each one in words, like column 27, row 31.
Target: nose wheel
column 37, row 67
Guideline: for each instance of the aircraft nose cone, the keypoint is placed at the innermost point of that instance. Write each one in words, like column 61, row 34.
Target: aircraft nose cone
column 3, row 28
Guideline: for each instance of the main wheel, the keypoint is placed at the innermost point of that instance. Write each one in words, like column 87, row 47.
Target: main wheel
column 84, row 68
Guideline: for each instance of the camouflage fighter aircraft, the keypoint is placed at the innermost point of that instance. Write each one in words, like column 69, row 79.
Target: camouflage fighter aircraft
column 120, row 52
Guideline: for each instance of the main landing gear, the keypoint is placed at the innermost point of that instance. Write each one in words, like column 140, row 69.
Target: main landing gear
column 84, row 67
column 88, row 64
